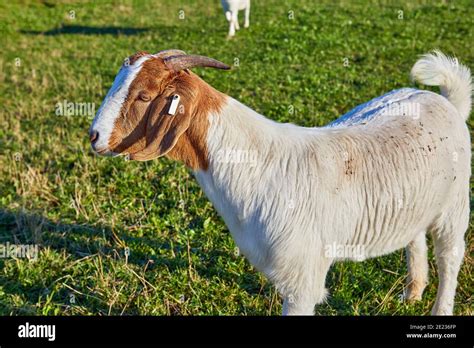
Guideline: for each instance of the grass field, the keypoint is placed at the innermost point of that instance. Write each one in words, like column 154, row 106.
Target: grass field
column 118, row 237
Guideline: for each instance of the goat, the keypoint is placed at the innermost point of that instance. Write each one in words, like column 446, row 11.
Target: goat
column 231, row 10
column 297, row 199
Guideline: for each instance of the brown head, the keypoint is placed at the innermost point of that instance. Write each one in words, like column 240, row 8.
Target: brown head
column 135, row 117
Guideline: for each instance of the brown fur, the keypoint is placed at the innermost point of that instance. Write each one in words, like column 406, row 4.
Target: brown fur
column 145, row 131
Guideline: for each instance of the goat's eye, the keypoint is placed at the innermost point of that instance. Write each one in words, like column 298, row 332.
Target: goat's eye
column 144, row 97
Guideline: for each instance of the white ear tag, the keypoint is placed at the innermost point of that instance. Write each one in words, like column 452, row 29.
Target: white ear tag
column 174, row 105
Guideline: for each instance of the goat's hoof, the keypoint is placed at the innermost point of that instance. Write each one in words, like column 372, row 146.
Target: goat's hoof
column 412, row 297
column 414, row 290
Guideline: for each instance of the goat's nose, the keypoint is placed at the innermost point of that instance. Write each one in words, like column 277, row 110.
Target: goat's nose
column 93, row 136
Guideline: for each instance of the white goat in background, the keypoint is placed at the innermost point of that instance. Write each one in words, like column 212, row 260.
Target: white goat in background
column 231, row 10
column 374, row 181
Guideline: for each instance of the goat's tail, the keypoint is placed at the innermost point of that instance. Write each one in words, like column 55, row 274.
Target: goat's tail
column 453, row 78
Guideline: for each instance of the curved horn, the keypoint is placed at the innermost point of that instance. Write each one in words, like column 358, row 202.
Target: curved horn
column 181, row 62
column 168, row 53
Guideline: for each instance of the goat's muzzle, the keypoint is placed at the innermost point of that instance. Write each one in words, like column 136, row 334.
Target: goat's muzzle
column 93, row 136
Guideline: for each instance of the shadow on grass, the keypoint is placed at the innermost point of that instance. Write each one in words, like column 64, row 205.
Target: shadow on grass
column 87, row 30
column 80, row 241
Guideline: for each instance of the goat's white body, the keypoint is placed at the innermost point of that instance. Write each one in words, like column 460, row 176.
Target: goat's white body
column 231, row 10
column 374, row 181
column 370, row 179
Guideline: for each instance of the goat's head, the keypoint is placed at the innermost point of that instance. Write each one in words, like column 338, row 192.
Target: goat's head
column 134, row 118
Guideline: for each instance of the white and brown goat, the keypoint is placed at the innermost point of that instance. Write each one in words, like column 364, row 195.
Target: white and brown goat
column 375, row 180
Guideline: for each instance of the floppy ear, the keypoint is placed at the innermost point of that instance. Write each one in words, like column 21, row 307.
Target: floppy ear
column 163, row 130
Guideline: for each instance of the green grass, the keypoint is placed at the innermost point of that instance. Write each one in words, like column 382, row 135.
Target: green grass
column 85, row 211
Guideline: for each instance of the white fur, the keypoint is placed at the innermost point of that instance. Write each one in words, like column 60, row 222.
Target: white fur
column 372, row 179
column 231, row 11
column 454, row 79
column 109, row 110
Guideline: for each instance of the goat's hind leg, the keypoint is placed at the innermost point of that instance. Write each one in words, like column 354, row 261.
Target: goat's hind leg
column 247, row 16
column 417, row 261
column 449, row 250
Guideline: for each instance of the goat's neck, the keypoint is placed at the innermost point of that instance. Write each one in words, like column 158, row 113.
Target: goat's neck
column 238, row 135
column 240, row 143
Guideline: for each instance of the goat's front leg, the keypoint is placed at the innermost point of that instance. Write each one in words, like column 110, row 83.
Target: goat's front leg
column 228, row 16
column 292, row 306
column 235, row 19
column 231, row 27
column 310, row 292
